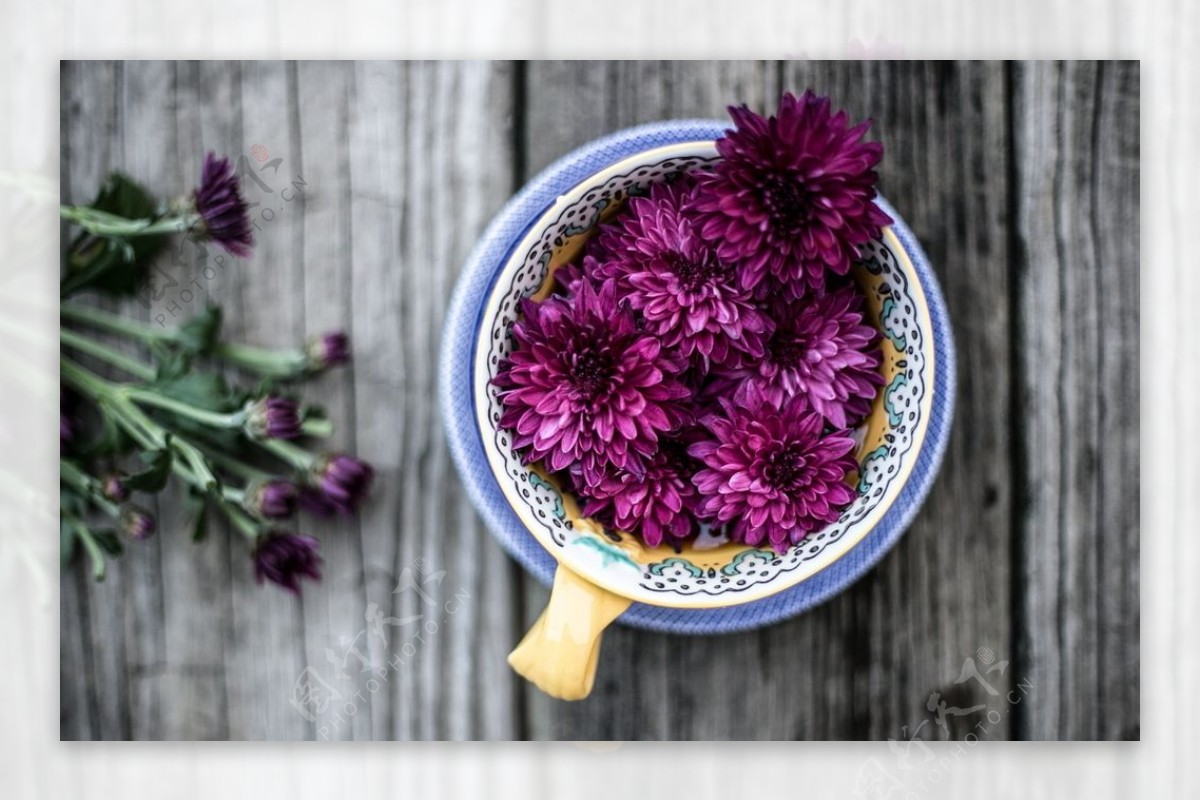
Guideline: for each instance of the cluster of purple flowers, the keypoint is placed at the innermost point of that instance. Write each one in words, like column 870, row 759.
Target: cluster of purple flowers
column 707, row 359
column 260, row 476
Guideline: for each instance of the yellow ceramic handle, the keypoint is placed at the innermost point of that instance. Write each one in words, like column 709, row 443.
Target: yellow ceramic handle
column 559, row 653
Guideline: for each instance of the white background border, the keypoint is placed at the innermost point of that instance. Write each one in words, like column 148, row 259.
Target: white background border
column 36, row 35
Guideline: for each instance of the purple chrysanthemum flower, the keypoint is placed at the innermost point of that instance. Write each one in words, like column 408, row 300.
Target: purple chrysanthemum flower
column 274, row 498
column 769, row 474
column 791, row 197
column 285, row 559
column 656, row 504
column 328, row 350
column 567, row 277
column 583, row 384
column 273, row 417
column 821, row 349
column 224, row 213
column 688, row 297
column 339, row 483
column 137, row 523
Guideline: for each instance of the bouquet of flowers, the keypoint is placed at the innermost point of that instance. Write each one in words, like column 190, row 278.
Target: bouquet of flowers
column 238, row 449
column 707, row 359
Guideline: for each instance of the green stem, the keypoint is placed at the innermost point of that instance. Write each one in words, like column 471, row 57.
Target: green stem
column 71, row 474
column 99, row 567
column 241, row 520
column 265, row 362
column 320, row 427
column 83, row 380
column 149, row 434
column 103, row 223
column 214, row 419
column 248, row 472
column 114, row 323
column 198, row 472
column 84, row 345
column 294, row 455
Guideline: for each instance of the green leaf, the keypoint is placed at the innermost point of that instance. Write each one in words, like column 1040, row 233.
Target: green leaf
column 199, row 334
column 110, row 440
column 313, row 411
column 109, row 541
column 155, row 476
column 172, row 363
column 202, row 390
column 110, row 264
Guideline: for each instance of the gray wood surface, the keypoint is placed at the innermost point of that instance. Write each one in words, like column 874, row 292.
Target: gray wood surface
column 1021, row 181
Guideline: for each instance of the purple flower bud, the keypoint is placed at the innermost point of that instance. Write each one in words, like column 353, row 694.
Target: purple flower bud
column 285, row 558
column 274, row 418
column 220, row 204
column 114, row 488
column 339, row 484
column 137, row 523
column 328, row 350
column 273, row 499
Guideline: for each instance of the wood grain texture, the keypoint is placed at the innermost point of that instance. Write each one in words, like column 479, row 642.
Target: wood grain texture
column 1077, row 190
column 1019, row 180
column 94, row 614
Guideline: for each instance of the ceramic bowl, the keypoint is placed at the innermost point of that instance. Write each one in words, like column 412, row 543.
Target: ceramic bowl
column 600, row 572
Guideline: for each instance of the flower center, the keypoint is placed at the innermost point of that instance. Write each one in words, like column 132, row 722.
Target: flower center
column 694, row 273
column 787, row 468
column 788, row 203
column 590, row 372
column 787, row 349
column 676, row 457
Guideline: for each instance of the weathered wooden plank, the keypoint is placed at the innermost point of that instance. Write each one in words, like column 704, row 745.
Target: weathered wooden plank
column 77, row 136
column 455, row 144
column 378, row 166
column 333, row 610
column 149, row 156
column 1077, row 201
column 94, row 128
column 196, row 577
column 265, row 635
column 480, row 594
column 1117, row 226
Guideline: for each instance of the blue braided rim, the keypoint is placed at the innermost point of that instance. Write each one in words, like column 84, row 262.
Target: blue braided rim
column 466, row 444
